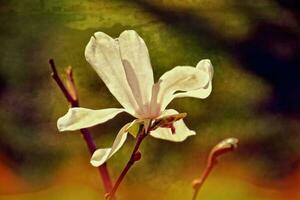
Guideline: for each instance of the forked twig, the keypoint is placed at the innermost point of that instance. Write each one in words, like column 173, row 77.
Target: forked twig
column 72, row 97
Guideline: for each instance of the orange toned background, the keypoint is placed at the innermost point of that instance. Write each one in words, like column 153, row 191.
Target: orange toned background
column 254, row 46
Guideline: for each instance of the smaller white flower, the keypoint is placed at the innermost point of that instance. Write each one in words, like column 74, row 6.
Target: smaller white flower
column 124, row 66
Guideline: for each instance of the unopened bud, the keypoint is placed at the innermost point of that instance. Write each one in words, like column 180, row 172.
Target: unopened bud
column 137, row 156
column 226, row 145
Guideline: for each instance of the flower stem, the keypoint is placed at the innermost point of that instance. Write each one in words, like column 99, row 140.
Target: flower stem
column 72, row 98
column 135, row 156
column 223, row 147
column 107, row 183
column 199, row 182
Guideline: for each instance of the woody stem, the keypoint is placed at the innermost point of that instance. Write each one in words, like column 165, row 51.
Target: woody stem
column 71, row 96
column 135, row 156
column 199, row 182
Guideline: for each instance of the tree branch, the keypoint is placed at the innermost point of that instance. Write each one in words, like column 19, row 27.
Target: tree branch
column 225, row 146
column 135, row 156
column 72, row 98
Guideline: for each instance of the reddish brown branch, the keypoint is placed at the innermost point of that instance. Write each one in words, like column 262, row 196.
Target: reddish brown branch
column 223, row 147
column 72, row 98
column 135, row 156
column 60, row 84
column 197, row 184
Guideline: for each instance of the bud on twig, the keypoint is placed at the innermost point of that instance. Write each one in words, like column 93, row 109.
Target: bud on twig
column 227, row 145
column 70, row 83
column 137, row 156
column 223, row 147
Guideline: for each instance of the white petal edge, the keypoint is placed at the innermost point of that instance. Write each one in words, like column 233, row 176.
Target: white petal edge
column 100, row 156
column 205, row 66
column 103, row 53
column 182, row 131
column 181, row 78
column 78, row 118
column 138, row 69
column 200, row 93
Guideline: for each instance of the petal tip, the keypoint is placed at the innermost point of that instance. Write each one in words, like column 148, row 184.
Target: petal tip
column 60, row 125
column 99, row 157
column 95, row 163
column 129, row 32
column 101, row 35
column 206, row 65
column 192, row 133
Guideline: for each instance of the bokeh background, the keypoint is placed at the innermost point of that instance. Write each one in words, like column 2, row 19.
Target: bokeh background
column 254, row 46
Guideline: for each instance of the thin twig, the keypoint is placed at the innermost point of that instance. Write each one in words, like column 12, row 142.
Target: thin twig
column 225, row 146
column 72, row 98
column 71, row 84
column 144, row 130
column 60, row 84
column 135, row 156
column 199, row 182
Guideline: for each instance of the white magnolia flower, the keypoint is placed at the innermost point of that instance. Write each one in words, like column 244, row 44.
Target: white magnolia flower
column 124, row 66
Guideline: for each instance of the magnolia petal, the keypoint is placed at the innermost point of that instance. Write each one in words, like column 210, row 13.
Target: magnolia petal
column 102, row 52
column 155, row 109
column 78, row 118
column 205, row 66
column 135, row 128
column 136, row 62
column 200, row 93
column 182, row 78
column 100, row 156
column 182, row 132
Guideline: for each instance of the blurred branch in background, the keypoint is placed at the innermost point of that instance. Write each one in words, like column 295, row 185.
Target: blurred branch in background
column 72, row 97
column 225, row 146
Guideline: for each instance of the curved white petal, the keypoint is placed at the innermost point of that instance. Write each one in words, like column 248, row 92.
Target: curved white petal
column 182, row 79
column 136, row 62
column 78, row 118
column 200, row 93
column 102, row 52
column 182, row 131
column 205, row 66
column 100, row 156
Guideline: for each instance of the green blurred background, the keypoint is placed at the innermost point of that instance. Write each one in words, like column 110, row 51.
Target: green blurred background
column 254, row 46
